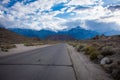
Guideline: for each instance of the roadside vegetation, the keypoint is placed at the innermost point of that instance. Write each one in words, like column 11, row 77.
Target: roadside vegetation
column 104, row 53
column 6, row 47
column 33, row 44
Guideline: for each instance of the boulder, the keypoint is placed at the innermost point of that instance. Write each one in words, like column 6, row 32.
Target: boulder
column 105, row 60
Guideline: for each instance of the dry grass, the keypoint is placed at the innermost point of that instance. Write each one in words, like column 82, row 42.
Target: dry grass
column 105, row 48
column 6, row 47
column 79, row 47
column 33, row 44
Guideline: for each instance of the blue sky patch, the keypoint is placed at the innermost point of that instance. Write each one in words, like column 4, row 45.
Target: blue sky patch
column 81, row 7
column 58, row 6
column 29, row 1
column 66, row 15
column 12, row 2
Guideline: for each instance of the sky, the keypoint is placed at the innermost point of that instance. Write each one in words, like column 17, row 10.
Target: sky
column 97, row 15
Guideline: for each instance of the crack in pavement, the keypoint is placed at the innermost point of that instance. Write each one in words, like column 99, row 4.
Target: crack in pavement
column 40, row 65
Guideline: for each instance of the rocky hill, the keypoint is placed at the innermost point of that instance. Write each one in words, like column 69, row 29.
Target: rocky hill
column 7, row 36
column 110, row 38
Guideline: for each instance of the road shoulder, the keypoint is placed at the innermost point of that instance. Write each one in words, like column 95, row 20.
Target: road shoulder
column 84, row 68
column 20, row 48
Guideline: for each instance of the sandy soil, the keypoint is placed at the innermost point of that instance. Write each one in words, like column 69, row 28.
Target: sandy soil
column 20, row 48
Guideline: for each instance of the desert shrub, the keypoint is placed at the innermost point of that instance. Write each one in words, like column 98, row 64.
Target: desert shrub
column 73, row 44
column 107, row 68
column 4, row 50
column 36, row 44
column 95, row 45
column 107, row 51
column 40, row 43
column 33, row 44
column 5, row 47
column 113, row 69
column 89, row 50
column 79, row 47
column 92, row 52
column 111, row 44
column 83, row 49
column 116, row 74
column 94, row 55
column 28, row 44
column 100, row 47
column 12, row 46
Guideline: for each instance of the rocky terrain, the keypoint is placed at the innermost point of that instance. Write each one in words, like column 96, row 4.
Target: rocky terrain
column 8, row 37
column 102, row 50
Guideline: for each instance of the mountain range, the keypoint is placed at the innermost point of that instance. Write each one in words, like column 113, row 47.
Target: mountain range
column 76, row 33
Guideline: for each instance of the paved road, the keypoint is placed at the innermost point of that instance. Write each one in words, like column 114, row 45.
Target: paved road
column 49, row 63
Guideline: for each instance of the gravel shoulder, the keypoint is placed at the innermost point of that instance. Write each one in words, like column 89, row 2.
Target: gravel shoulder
column 20, row 48
column 84, row 68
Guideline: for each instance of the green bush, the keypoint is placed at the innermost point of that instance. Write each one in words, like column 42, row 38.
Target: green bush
column 40, row 43
column 33, row 44
column 107, row 51
column 5, row 47
column 28, row 44
column 89, row 50
column 95, row 44
column 94, row 55
column 92, row 52
column 79, row 47
column 4, row 50
column 73, row 44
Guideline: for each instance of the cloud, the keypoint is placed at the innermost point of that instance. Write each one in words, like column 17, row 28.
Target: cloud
column 102, row 27
column 32, row 16
column 81, row 2
column 109, row 2
column 75, row 23
column 5, row 1
column 114, row 7
column 113, row 17
column 60, row 14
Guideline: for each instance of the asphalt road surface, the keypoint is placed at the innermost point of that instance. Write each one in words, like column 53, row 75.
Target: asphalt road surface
column 49, row 63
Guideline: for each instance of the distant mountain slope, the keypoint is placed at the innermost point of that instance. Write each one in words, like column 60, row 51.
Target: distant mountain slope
column 77, row 33
column 7, row 36
column 42, row 34
column 80, row 33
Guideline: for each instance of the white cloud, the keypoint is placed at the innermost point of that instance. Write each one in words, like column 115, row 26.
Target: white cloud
column 108, row 2
column 114, row 18
column 33, row 15
column 1, row 14
column 91, row 13
column 24, row 16
column 81, row 2
column 5, row 1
